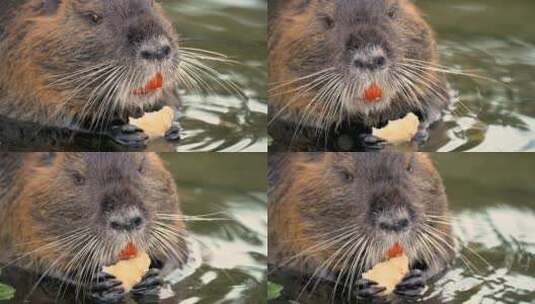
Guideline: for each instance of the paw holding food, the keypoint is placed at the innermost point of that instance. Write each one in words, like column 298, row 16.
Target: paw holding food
column 398, row 131
column 131, row 268
column 391, row 272
column 155, row 124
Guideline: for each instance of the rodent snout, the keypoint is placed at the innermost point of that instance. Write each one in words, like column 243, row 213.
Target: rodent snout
column 123, row 211
column 155, row 50
column 391, row 211
column 126, row 221
column 393, row 223
column 371, row 59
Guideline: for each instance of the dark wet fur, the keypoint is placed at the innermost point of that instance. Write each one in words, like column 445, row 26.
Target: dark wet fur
column 80, row 196
column 357, row 24
column 126, row 24
column 326, row 201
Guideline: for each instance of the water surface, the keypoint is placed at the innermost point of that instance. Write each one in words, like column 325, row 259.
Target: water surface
column 494, row 39
column 221, row 121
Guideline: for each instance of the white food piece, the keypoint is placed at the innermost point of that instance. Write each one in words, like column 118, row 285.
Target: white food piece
column 388, row 274
column 399, row 131
column 131, row 271
column 155, row 124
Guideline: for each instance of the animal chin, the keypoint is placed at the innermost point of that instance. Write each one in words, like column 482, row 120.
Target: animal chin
column 154, row 85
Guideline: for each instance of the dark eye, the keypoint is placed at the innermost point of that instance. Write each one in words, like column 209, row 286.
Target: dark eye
column 141, row 168
column 393, row 12
column 327, row 21
column 410, row 166
column 78, row 178
column 347, row 176
column 94, row 18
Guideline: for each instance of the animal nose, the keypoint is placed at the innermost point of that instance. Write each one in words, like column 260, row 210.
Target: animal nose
column 370, row 58
column 394, row 224
column 370, row 63
column 126, row 223
column 156, row 53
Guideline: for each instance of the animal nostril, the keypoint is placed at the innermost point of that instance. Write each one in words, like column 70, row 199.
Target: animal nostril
column 402, row 224
column 136, row 222
column 147, row 55
column 158, row 54
column 396, row 225
column 359, row 64
column 127, row 224
column 166, row 50
column 380, row 61
column 116, row 225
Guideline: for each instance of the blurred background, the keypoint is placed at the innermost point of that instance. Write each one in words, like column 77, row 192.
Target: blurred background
column 234, row 250
column 494, row 39
column 220, row 120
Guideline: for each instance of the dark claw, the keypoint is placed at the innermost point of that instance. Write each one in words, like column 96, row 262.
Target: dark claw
column 372, row 143
column 137, row 113
column 173, row 134
column 150, row 284
column 421, row 136
column 128, row 135
column 368, row 289
column 412, row 285
column 106, row 289
column 154, row 107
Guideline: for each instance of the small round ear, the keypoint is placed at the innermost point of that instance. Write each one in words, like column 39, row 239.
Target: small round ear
column 50, row 7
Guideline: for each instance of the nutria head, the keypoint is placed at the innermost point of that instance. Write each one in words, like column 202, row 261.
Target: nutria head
column 334, row 60
column 87, row 60
column 358, row 205
column 80, row 210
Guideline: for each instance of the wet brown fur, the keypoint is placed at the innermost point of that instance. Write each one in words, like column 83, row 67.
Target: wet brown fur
column 305, row 201
column 38, row 41
column 40, row 204
column 294, row 34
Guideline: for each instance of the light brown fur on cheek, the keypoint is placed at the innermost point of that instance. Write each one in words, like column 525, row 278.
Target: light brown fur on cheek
column 30, row 236
column 23, row 73
column 289, row 229
column 291, row 28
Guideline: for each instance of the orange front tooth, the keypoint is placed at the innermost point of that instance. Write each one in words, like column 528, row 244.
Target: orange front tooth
column 154, row 84
column 395, row 251
column 373, row 93
column 128, row 252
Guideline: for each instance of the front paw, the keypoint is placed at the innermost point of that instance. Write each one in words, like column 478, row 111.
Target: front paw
column 149, row 285
column 174, row 133
column 106, row 289
column 368, row 289
column 422, row 135
column 128, row 135
column 412, row 285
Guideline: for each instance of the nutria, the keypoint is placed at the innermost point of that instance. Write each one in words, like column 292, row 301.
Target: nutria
column 91, row 65
column 321, row 202
column 339, row 67
column 67, row 215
